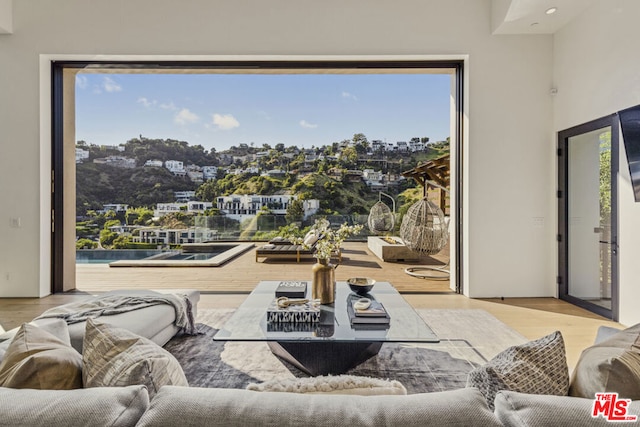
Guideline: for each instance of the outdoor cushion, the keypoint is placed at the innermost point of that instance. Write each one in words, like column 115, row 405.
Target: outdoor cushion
column 116, row 357
column 538, row 366
column 109, row 406
column 612, row 365
column 310, row 239
column 37, row 359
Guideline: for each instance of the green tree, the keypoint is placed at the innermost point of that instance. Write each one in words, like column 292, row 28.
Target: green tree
column 107, row 237
column 605, row 177
column 349, row 157
column 295, row 211
column 138, row 216
column 176, row 220
column 361, row 143
column 86, row 244
column 121, row 242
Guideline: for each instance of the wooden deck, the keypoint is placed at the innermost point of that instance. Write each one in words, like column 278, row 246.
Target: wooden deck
column 241, row 274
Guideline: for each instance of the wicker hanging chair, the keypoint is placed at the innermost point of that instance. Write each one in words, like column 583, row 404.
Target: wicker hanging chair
column 424, row 228
column 381, row 220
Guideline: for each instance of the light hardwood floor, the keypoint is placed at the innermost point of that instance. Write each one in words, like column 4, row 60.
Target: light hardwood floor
column 227, row 287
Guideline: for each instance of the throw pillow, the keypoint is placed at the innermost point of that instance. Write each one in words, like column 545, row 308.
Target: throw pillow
column 612, row 365
column 536, row 367
column 37, row 359
column 116, row 357
column 310, row 239
column 341, row 384
column 604, row 333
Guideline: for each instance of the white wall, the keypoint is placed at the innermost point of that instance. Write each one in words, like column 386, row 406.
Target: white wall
column 597, row 72
column 510, row 178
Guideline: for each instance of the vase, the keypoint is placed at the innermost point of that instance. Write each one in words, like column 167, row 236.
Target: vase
column 323, row 287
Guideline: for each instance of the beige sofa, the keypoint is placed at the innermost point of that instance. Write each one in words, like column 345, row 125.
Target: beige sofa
column 184, row 406
column 173, row 405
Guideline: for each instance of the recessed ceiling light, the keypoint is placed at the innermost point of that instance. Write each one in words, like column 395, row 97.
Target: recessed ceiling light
column 551, row 10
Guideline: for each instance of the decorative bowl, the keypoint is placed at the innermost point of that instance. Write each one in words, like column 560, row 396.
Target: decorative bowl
column 361, row 285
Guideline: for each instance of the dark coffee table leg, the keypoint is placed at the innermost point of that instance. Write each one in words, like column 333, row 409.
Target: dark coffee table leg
column 325, row 357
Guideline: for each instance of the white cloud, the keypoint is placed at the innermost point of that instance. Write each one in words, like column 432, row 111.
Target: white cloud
column 81, row 81
column 306, row 124
column 185, row 117
column 110, row 85
column 349, row 95
column 144, row 101
column 264, row 114
column 225, row 121
column 168, row 106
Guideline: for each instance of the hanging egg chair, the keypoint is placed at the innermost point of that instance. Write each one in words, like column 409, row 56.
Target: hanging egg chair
column 381, row 220
column 425, row 230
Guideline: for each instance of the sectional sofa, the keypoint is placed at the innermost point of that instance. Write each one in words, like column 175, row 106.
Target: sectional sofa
column 184, row 406
column 164, row 398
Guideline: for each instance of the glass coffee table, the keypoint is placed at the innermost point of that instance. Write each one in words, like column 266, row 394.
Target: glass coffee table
column 332, row 345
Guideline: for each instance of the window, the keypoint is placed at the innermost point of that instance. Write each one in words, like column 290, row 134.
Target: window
column 275, row 162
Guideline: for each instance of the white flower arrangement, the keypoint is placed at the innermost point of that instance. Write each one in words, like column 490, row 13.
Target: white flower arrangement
column 329, row 241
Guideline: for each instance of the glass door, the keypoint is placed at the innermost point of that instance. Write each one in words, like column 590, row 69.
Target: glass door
column 587, row 216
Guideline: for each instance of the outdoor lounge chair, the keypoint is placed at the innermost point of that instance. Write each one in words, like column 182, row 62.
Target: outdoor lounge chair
column 284, row 251
column 280, row 247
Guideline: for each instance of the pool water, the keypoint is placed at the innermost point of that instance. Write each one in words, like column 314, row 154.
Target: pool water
column 105, row 256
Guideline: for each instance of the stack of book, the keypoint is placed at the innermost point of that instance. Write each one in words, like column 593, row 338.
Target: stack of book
column 375, row 314
column 291, row 289
column 298, row 313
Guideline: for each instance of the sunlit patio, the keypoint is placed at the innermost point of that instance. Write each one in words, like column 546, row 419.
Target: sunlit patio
column 241, row 274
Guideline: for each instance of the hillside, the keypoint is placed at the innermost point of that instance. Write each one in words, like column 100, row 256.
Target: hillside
column 98, row 184
column 141, row 186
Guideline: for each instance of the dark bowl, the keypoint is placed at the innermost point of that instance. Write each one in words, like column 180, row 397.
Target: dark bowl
column 361, row 285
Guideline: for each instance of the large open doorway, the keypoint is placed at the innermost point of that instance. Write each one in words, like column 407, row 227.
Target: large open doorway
column 65, row 139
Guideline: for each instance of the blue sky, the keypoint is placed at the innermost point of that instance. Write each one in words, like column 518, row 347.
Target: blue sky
column 221, row 110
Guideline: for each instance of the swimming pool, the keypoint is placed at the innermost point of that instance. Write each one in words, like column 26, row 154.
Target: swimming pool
column 105, row 256
column 191, row 255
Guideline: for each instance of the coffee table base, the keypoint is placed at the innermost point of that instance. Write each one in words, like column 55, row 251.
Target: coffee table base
column 325, row 357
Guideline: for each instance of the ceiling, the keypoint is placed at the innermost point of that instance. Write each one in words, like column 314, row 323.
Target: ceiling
column 508, row 16
column 529, row 17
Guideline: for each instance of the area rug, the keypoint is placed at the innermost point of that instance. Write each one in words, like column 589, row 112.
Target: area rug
column 468, row 338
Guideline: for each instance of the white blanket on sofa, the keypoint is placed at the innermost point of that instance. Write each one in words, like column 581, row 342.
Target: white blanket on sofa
column 106, row 305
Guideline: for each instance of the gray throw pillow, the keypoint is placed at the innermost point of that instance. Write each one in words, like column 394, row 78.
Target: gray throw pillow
column 115, row 357
column 36, row 359
column 537, row 367
column 612, row 365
